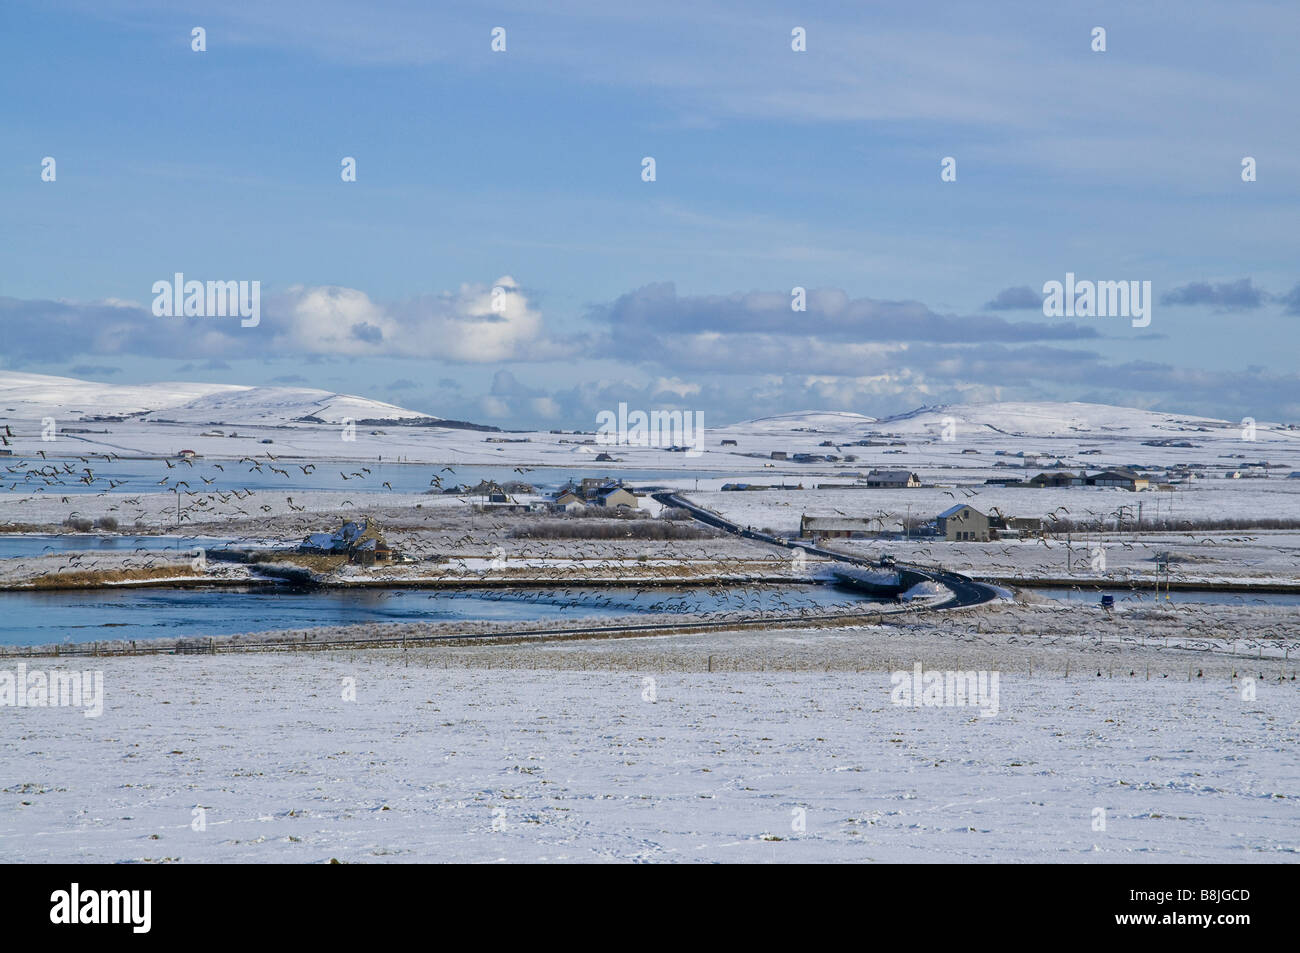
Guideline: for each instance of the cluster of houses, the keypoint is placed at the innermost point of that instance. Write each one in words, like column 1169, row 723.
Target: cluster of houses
column 361, row 542
column 813, row 457
column 611, row 494
column 958, row 523
column 827, row 457
column 875, row 480
column 1122, row 478
column 572, row 497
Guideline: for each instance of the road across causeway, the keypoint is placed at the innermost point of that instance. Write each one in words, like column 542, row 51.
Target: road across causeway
column 965, row 591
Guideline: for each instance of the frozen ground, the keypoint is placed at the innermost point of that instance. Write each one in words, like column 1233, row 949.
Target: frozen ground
column 1209, row 499
column 488, row 765
column 1112, row 559
column 554, row 750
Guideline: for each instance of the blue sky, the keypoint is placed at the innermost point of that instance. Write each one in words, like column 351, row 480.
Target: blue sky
column 775, row 169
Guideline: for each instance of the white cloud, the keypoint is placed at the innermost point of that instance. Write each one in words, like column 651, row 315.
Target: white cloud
column 674, row 385
column 476, row 324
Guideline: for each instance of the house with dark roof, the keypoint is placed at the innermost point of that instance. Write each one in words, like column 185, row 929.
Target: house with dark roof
column 1063, row 478
column 892, row 479
column 1124, row 479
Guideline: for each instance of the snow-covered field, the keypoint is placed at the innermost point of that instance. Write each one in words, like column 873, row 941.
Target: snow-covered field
column 762, row 745
column 1270, row 558
column 1211, row 499
column 257, row 758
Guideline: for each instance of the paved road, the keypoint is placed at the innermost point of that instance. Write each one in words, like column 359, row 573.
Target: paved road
column 965, row 591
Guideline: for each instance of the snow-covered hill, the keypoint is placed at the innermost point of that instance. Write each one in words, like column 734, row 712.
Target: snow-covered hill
column 828, row 421
column 65, row 398
column 225, row 420
column 40, row 395
column 253, row 405
column 1049, row 419
column 1036, row 419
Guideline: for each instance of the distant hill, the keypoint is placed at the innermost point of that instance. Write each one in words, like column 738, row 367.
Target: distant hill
column 1045, row 420
column 40, row 395
column 830, row 421
column 1052, row 419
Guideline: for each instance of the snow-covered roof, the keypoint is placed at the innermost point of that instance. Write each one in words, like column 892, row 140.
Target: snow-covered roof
column 957, row 508
column 341, row 539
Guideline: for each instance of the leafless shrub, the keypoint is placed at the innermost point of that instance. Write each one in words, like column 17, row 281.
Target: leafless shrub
column 1068, row 525
column 675, row 513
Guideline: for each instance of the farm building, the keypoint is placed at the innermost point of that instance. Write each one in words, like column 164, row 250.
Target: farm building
column 1124, row 479
column 837, row 527
column 963, row 523
column 615, row 496
column 1064, row 478
column 892, row 479
column 1014, row 525
column 361, row 542
column 568, row 502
